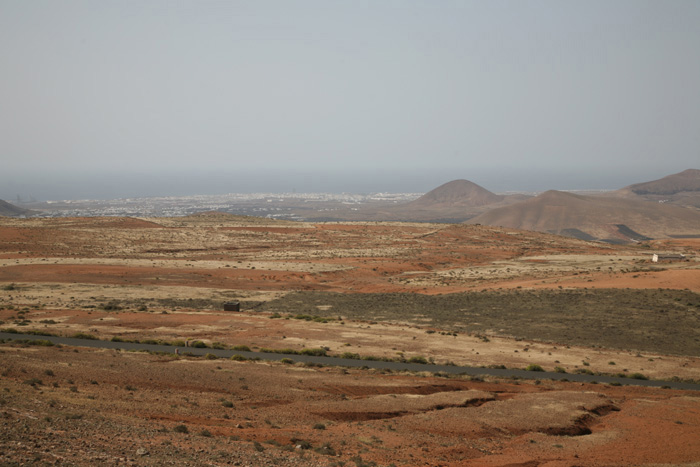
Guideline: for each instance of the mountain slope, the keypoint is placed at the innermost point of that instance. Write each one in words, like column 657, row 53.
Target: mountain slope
column 688, row 180
column 606, row 218
column 682, row 189
column 10, row 210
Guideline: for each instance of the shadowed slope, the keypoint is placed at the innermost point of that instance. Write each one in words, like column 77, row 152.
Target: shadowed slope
column 688, row 180
column 10, row 210
column 601, row 217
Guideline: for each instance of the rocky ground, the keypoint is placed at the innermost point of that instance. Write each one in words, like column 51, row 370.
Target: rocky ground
column 78, row 406
column 471, row 295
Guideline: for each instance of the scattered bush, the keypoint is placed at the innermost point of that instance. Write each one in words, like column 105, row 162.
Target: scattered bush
column 638, row 376
column 238, row 358
column 33, row 382
column 534, row 367
column 181, row 429
column 41, row 342
column 301, row 444
column 111, row 306
column 313, row 352
column 319, row 426
column 418, row 359
column 83, row 335
column 326, row 449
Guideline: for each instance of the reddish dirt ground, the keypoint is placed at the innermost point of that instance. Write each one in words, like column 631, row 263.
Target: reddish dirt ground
column 84, row 406
column 126, row 406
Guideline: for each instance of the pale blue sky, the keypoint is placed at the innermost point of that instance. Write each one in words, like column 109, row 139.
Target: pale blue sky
column 414, row 93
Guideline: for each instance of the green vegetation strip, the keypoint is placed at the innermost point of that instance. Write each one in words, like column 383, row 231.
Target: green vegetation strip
column 659, row 320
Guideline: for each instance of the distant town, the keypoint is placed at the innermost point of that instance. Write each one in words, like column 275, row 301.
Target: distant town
column 284, row 206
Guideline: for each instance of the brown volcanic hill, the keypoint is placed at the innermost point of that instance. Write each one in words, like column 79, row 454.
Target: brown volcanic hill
column 593, row 217
column 457, row 193
column 688, row 180
column 10, row 210
column 453, row 202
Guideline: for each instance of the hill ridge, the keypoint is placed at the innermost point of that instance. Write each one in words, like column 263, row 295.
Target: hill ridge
column 685, row 181
column 606, row 218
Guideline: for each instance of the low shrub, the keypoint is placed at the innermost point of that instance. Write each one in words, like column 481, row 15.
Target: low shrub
column 638, row 376
column 83, row 335
column 33, row 382
column 313, row 352
column 418, row 359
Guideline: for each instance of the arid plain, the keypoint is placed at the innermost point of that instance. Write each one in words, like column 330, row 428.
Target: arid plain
column 458, row 294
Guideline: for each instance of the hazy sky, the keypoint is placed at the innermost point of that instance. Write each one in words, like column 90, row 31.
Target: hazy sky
column 164, row 96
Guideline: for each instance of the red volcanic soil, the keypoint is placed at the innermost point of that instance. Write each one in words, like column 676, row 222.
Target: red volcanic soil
column 88, row 407
column 361, row 257
column 75, row 406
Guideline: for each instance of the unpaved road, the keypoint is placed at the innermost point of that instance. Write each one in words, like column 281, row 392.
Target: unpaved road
column 353, row 363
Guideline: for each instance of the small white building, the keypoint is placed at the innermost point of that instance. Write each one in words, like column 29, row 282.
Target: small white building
column 656, row 257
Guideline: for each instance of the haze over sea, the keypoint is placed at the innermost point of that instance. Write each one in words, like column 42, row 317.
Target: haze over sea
column 112, row 185
column 113, row 99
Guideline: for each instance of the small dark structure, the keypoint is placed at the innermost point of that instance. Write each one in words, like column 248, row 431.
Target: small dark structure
column 232, row 306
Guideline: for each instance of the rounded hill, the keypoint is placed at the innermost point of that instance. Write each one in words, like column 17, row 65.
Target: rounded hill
column 457, row 193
